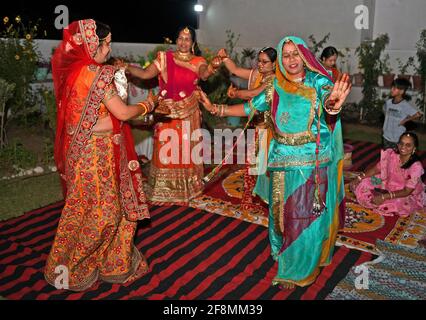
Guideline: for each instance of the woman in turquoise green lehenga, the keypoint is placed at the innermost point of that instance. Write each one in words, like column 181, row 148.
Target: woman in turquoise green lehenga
column 305, row 161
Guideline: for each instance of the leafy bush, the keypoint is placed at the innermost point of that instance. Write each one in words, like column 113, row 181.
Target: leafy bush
column 315, row 46
column 16, row 155
column 6, row 92
column 19, row 61
column 49, row 116
column 421, row 68
column 369, row 53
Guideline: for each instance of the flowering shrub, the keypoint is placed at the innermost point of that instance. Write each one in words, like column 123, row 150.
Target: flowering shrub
column 19, row 59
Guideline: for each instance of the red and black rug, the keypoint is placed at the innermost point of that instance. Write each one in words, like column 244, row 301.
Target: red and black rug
column 192, row 255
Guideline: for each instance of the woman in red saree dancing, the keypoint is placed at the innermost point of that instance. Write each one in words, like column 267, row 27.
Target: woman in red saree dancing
column 97, row 162
column 178, row 180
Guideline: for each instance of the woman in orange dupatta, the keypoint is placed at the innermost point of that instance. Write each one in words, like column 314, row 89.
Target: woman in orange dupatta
column 95, row 156
column 258, row 79
column 174, row 176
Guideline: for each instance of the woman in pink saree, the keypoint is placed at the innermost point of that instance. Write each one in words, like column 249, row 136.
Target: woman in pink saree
column 394, row 185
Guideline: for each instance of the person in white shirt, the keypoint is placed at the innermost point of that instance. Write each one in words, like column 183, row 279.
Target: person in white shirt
column 398, row 112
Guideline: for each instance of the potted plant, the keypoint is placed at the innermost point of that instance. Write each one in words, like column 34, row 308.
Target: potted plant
column 18, row 56
column 403, row 68
column 369, row 53
column 247, row 58
column 387, row 74
column 419, row 78
column 316, row 46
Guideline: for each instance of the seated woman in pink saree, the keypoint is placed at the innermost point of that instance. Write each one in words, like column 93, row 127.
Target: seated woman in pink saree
column 394, row 185
column 97, row 162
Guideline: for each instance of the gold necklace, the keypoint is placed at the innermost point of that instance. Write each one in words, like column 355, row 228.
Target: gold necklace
column 300, row 80
column 183, row 56
column 267, row 77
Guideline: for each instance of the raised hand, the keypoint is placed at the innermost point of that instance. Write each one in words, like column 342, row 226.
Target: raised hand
column 222, row 53
column 338, row 95
column 216, row 62
column 119, row 63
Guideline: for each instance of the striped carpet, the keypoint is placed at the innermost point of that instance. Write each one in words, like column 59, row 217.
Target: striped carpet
column 192, row 254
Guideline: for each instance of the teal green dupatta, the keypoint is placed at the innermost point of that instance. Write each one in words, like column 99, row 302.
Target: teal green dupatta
column 305, row 163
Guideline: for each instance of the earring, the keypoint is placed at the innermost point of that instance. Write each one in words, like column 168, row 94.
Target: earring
column 192, row 48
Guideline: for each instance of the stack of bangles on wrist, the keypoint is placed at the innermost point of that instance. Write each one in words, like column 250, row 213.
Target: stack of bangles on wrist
column 214, row 65
column 219, row 109
column 361, row 176
column 147, row 108
column 392, row 194
column 329, row 107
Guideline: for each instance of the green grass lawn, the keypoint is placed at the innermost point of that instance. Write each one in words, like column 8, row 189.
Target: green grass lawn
column 18, row 196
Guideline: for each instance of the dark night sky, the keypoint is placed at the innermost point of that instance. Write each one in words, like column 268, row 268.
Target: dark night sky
column 131, row 21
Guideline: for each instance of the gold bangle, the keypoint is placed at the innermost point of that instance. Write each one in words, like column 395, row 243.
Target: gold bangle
column 145, row 107
column 219, row 109
column 329, row 110
column 332, row 111
column 224, row 107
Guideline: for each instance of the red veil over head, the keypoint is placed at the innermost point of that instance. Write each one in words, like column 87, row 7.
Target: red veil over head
column 77, row 50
